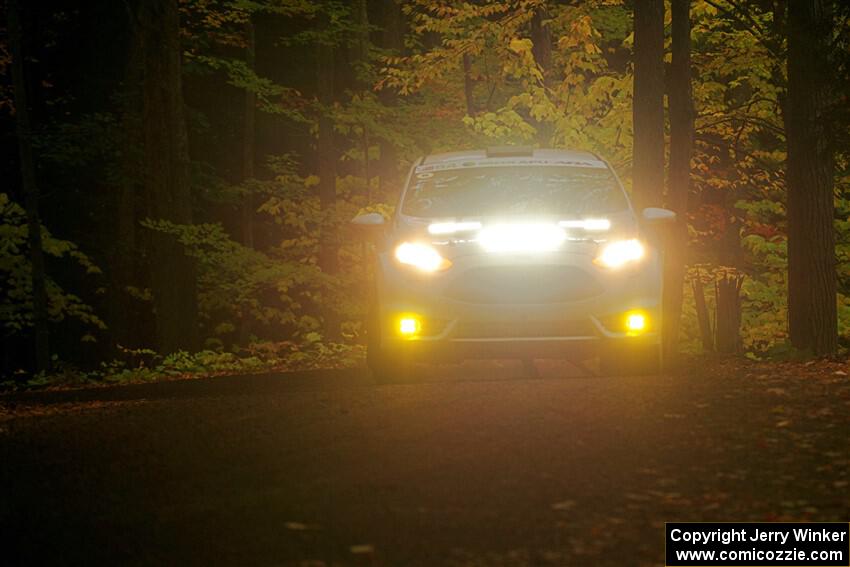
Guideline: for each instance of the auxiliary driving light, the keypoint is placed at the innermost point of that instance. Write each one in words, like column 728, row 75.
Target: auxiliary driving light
column 409, row 325
column 522, row 237
column 452, row 227
column 635, row 322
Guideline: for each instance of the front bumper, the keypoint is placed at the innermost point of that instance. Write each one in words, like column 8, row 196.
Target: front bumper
column 555, row 306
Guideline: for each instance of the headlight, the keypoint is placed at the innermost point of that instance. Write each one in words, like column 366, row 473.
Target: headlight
column 619, row 253
column 421, row 256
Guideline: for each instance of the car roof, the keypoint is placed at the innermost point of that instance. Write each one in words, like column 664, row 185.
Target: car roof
column 518, row 155
column 510, row 156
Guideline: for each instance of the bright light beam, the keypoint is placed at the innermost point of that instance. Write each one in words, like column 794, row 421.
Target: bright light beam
column 452, row 227
column 521, row 237
column 590, row 225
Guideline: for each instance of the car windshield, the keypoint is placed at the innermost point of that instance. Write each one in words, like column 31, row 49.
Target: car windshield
column 515, row 190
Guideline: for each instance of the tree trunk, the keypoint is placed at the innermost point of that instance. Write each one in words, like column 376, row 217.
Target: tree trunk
column 392, row 36
column 727, row 328
column 541, row 39
column 248, row 137
column 468, row 85
column 326, row 160
column 648, row 110
column 29, row 186
column 247, row 207
column 326, row 153
column 361, row 61
column 367, row 175
column 392, row 39
column 123, row 319
column 812, row 310
column 173, row 273
column 360, row 12
column 702, row 315
column 681, row 142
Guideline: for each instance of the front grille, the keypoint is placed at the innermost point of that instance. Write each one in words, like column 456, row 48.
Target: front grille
column 523, row 285
column 522, row 329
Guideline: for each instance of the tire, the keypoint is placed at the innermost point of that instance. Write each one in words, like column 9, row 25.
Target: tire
column 630, row 360
column 387, row 365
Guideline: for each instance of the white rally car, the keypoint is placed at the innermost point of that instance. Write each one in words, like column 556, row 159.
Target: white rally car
column 515, row 253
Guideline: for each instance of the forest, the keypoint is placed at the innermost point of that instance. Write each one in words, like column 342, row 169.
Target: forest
column 178, row 176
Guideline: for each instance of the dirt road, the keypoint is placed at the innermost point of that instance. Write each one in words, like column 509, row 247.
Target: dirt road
column 477, row 467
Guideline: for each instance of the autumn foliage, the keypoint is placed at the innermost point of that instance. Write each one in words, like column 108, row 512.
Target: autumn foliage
column 333, row 101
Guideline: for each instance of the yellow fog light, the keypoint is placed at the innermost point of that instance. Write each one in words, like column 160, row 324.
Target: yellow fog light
column 635, row 322
column 409, row 325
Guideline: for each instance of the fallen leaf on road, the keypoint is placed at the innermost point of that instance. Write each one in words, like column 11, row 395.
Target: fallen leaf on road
column 362, row 549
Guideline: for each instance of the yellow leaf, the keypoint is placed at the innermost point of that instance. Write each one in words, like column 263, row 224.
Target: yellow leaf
column 520, row 45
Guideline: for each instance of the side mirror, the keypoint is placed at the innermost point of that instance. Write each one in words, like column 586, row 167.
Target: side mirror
column 369, row 226
column 655, row 215
column 368, row 220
